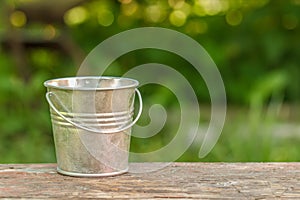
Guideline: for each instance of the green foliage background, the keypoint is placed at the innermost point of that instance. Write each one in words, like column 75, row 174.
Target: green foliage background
column 255, row 44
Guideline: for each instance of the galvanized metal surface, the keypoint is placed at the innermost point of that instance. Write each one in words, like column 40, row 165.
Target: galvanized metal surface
column 103, row 104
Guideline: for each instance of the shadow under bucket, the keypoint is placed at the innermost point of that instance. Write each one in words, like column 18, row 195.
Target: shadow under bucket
column 91, row 120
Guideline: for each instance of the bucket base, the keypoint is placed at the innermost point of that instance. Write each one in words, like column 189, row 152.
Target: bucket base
column 90, row 175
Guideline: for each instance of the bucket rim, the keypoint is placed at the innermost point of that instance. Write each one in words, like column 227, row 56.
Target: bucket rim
column 49, row 83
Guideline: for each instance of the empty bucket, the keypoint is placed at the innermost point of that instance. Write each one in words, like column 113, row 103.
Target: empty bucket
column 91, row 120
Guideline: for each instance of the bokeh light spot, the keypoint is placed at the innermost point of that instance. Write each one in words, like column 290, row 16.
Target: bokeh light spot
column 125, row 1
column 234, row 18
column 18, row 19
column 75, row 16
column 186, row 8
column 105, row 18
column 211, row 7
column 176, row 4
column 154, row 13
column 129, row 9
column 198, row 9
column 177, row 18
column 49, row 32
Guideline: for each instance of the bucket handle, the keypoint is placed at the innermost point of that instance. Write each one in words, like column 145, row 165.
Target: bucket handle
column 95, row 130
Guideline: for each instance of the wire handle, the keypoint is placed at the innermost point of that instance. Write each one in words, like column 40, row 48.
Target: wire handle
column 48, row 94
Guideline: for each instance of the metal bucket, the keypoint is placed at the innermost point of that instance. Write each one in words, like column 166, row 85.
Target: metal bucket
column 91, row 120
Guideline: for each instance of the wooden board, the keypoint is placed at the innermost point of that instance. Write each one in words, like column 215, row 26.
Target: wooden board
column 178, row 180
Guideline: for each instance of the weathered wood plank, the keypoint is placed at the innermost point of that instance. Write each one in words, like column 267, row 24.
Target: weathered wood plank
column 178, row 180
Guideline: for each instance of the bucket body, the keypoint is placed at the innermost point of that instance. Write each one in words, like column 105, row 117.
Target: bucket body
column 91, row 120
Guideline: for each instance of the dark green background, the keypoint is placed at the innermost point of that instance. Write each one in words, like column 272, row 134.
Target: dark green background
column 255, row 44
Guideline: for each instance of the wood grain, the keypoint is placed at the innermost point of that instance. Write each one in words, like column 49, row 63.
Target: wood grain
column 178, row 180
